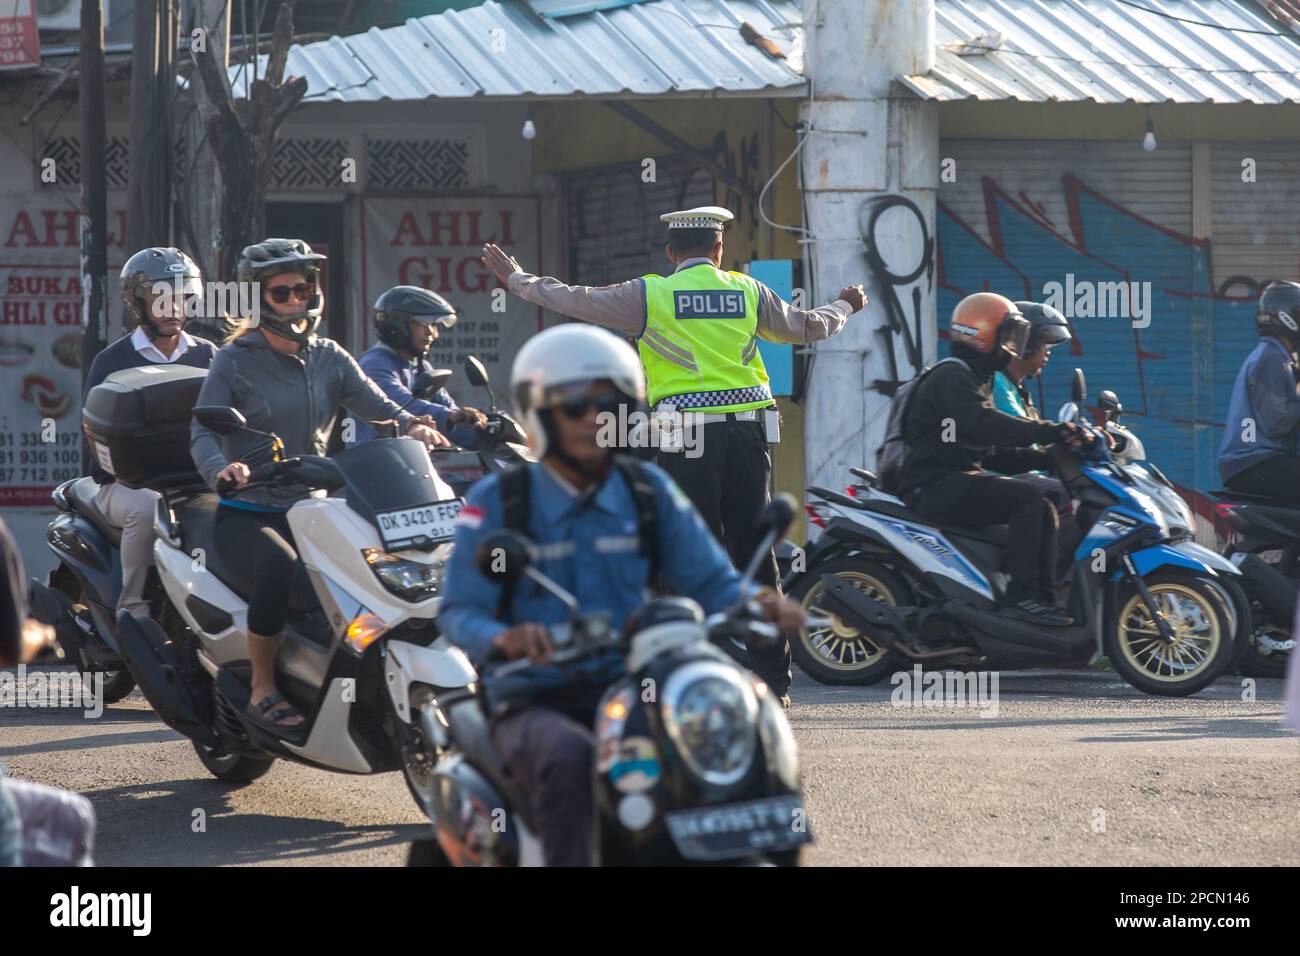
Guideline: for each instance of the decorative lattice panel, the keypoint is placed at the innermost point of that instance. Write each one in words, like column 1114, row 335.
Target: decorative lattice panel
column 309, row 163
column 410, row 164
column 66, row 153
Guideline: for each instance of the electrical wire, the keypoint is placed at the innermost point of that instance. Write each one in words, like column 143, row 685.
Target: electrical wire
column 1202, row 23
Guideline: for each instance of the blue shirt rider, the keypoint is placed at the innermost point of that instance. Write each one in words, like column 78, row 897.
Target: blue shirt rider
column 583, row 519
column 408, row 321
column 1257, row 454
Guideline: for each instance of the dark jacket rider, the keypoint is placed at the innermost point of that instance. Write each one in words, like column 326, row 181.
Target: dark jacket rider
column 956, row 440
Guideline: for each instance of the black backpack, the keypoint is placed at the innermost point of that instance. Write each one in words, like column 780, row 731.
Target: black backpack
column 516, row 506
column 891, row 456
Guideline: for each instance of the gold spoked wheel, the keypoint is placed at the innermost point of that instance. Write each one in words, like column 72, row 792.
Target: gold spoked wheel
column 1197, row 628
column 840, row 646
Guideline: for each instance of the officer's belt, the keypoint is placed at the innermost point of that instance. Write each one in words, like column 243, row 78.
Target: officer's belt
column 690, row 418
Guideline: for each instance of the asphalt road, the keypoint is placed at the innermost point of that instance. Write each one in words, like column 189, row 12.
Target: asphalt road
column 1075, row 768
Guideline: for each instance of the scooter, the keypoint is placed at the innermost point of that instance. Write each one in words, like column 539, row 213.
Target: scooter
column 702, row 772
column 501, row 443
column 78, row 598
column 360, row 654
column 928, row 593
column 1261, row 651
column 1265, row 546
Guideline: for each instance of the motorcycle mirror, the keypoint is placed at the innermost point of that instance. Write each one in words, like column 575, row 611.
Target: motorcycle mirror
column 504, row 556
column 428, row 382
column 778, row 515
column 221, row 419
column 475, row 372
column 1078, row 388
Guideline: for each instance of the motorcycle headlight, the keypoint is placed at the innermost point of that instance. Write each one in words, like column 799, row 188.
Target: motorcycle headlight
column 411, row 580
column 711, row 716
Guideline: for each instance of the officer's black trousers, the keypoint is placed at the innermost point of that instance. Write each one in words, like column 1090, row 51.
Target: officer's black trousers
column 728, row 483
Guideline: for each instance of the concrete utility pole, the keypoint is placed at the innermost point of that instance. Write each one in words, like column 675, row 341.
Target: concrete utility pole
column 201, row 189
column 869, row 154
column 94, row 185
column 153, row 42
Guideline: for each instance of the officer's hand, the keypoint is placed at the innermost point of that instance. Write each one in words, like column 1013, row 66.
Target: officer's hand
column 469, row 417
column 524, row 640
column 500, row 262
column 784, row 613
column 855, row 296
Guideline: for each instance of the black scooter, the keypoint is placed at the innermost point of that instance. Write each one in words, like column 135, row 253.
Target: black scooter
column 79, row 597
column 704, row 772
column 1265, row 546
column 501, row 444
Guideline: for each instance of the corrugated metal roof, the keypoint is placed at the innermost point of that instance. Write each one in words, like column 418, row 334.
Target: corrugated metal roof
column 507, row 50
column 1111, row 51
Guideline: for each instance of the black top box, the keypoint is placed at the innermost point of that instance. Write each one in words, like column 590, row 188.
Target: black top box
column 138, row 423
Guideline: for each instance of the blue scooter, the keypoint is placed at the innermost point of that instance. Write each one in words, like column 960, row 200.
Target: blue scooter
column 902, row 589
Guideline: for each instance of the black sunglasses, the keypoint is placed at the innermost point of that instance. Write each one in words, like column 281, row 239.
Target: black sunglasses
column 577, row 408
column 280, row 293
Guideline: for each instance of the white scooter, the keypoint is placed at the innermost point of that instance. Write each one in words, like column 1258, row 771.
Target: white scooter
column 360, row 652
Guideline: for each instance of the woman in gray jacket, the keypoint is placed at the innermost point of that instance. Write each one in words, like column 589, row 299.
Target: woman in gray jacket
column 284, row 379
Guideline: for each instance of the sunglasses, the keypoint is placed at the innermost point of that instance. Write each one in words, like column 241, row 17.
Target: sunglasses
column 577, row 408
column 280, row 293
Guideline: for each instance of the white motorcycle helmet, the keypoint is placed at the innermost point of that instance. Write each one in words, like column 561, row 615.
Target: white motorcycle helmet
column 555, row 362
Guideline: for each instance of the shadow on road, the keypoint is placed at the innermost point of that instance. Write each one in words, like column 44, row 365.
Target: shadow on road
column 229, row 837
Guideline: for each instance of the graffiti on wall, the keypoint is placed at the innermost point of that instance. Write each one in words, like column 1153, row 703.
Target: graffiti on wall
column 1173, row 370
column 901, row 336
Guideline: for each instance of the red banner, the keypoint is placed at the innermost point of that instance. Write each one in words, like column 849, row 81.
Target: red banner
column 20, row 45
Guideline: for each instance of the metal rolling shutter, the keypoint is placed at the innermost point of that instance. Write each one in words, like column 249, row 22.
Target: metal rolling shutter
column 1024, row 213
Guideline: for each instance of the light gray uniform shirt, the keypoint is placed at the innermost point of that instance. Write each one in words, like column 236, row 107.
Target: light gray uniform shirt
column 622, row 308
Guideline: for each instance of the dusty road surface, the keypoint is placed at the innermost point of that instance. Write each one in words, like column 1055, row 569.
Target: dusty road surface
column 1075, row 768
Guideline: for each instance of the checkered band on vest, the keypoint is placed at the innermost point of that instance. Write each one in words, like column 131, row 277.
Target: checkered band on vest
column 727, row 396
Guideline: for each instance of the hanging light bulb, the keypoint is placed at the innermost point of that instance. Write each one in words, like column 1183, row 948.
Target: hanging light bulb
column 1149, row 137
column 529, row 132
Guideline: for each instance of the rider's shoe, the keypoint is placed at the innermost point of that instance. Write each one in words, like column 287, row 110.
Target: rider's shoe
column 1036, row 610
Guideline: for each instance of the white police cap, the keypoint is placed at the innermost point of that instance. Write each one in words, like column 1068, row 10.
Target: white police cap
column 701, row 217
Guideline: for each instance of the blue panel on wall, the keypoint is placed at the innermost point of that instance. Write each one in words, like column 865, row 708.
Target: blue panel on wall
column 777, row 275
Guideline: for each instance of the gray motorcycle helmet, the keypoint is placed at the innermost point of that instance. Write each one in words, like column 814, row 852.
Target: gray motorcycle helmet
column 272, row 257
column 143, row 271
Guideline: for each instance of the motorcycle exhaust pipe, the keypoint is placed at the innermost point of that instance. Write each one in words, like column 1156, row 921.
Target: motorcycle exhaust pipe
column 1275, row 590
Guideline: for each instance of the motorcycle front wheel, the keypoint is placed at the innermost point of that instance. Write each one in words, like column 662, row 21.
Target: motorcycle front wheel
column 1203, row 641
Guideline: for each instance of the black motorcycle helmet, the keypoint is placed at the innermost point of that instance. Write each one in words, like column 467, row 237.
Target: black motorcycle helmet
column 271, row 257
column 1279, row 310
column 1047, row 326
column 402, row 304
column 144, row 270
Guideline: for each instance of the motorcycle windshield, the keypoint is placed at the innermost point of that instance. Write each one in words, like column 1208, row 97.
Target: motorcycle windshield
column 389, row 474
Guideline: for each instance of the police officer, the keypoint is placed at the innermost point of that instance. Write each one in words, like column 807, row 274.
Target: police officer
column 697, row 332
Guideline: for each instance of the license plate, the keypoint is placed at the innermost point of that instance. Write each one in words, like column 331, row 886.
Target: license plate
column 735, row 829
column 415, row 526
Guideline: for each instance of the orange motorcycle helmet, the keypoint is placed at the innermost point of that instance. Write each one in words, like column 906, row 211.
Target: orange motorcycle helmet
column 986, row 322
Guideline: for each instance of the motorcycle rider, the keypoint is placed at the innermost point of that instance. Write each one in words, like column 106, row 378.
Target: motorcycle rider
column 957, row 440
column 587, row 512
column 157, row 285
column 1258, row 452
column 1048, row 328
column 288, row 380
column 408, row 320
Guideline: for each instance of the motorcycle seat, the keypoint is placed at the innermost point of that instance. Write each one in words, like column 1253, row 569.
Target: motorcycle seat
column 990, row 534
column 82, row 495
column 197, row 519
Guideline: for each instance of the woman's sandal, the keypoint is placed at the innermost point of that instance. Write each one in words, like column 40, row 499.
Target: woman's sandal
column 271, row 720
